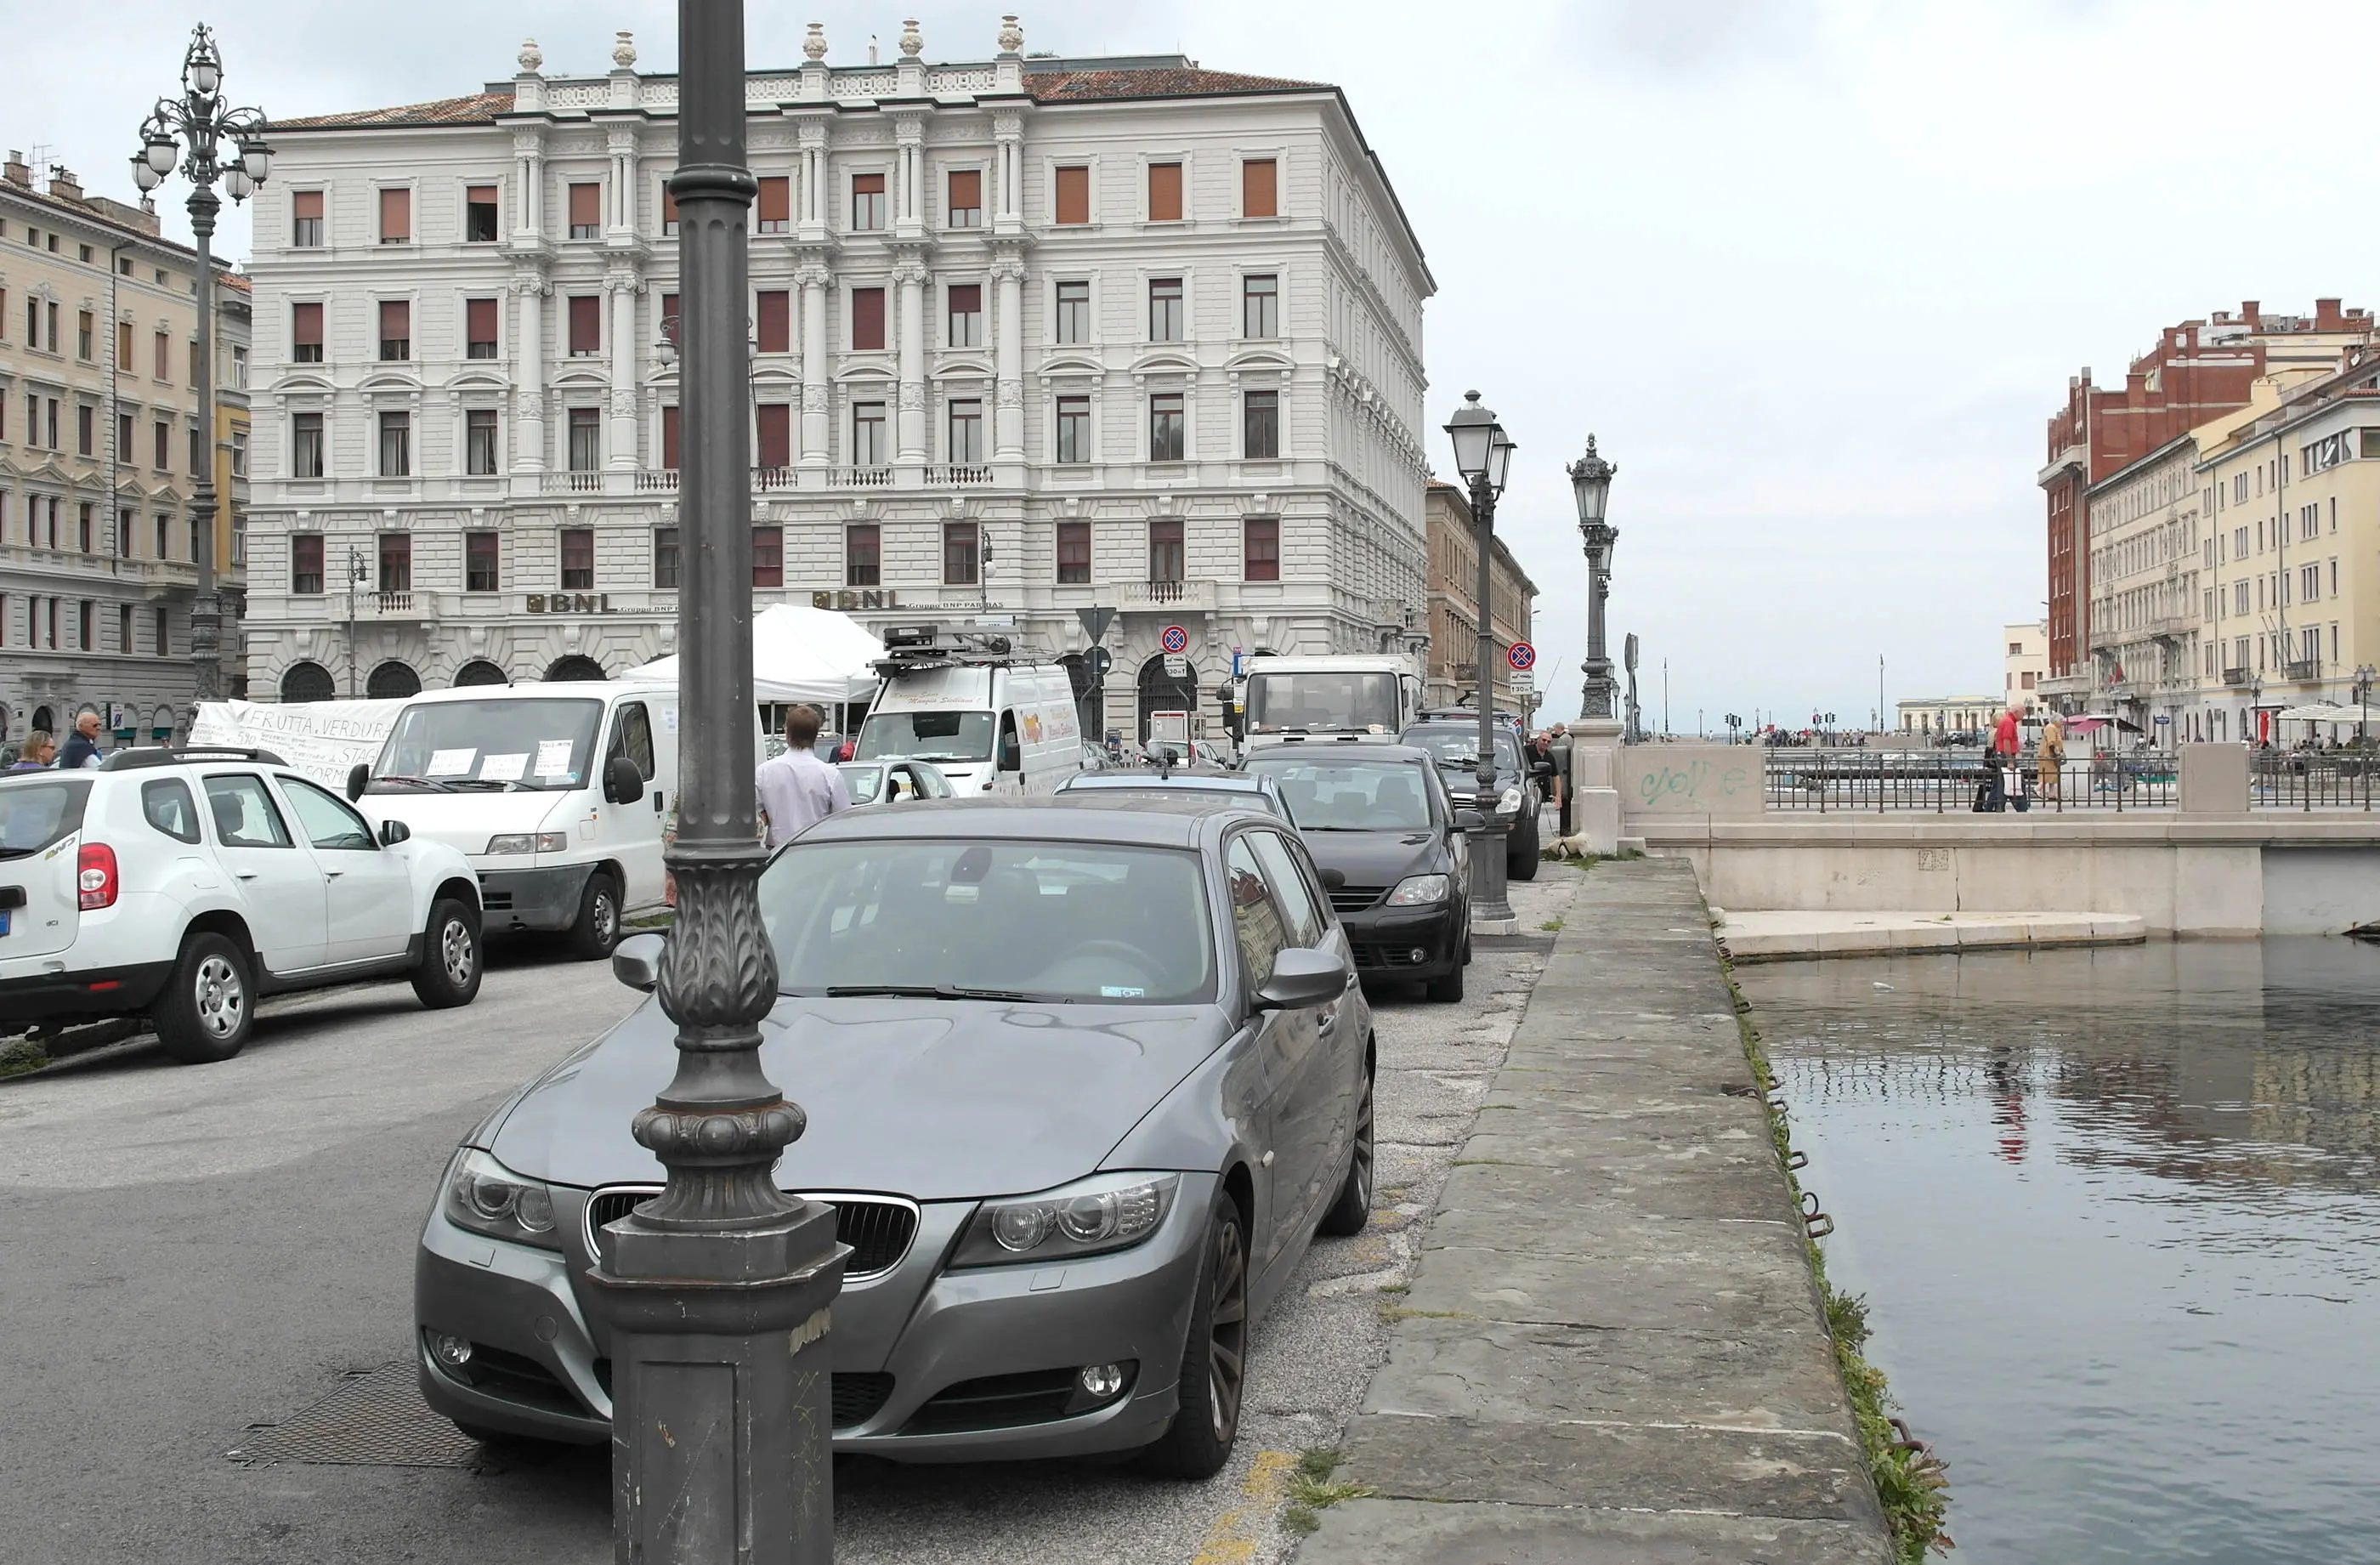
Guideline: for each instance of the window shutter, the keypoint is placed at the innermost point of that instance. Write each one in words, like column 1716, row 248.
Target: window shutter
column 867, row 318
column 776, row 322
column 776, row 199
column 480, row 320
column 396, row 320
column 586, row 205
column 668, row 435
column 966, row 189
column 306, row 204
column 776, row 435
column 305, row 326
column 1075, row 194
column 480, row 194
column 1164, row 192
column 1258, row 194
column 867, row 184
column 586, row 324
column 669, row 205
column 395, row 215
column 966, row 299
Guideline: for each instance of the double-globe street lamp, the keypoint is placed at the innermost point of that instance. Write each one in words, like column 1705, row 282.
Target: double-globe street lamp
column 1590, row 484
column 196, row 131
column 1483, row 454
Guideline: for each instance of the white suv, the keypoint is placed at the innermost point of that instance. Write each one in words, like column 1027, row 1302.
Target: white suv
column 184, row 884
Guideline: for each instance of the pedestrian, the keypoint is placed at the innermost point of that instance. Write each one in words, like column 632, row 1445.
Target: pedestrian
column 36, row 753
column 1558, row 752
column 82, row 750
column 2006, row 748
column 2053, row 755
column 798, row 789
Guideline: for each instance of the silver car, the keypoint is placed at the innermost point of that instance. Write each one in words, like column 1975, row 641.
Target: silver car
column 1082, row 1083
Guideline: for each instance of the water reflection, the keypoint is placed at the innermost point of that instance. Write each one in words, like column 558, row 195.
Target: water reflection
column 2114, row 1214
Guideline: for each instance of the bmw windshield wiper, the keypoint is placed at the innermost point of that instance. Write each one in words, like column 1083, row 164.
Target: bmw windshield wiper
column 417, row 781
column 934, row 992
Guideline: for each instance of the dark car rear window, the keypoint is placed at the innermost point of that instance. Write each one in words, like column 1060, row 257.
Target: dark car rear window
column 37, row 811
column 1246, row 798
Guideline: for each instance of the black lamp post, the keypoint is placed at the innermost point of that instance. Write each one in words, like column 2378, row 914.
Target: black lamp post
column 1590, row 484
column 716, row 1291
column 192, row 131
column 1483, row 454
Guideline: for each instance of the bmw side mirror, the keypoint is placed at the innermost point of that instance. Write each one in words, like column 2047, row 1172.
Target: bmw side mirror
column 1470, row 820
column 636, row 960
column 623, row 784
column 1299, row 979
column 392, row 832
column 358, row 778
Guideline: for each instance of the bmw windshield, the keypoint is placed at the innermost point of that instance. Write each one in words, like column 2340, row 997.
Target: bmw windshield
column 461, row 746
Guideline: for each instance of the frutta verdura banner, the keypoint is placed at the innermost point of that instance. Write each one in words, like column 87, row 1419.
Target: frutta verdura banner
column 321, row 739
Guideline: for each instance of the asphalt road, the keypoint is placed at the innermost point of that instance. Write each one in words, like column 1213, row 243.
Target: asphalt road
column 189, row 1252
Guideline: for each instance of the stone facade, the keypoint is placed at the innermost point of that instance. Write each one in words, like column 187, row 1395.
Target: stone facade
column 1454, row 606
column 2146, row 533
column 1032, row 337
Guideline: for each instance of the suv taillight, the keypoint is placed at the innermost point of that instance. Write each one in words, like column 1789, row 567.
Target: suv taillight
column 95, row 876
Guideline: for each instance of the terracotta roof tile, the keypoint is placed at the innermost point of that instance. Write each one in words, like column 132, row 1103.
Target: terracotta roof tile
column 1164, row 81
column 479, row 108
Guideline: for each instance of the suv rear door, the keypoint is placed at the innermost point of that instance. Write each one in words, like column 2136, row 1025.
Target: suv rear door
column 40, row 824
column 287, row 907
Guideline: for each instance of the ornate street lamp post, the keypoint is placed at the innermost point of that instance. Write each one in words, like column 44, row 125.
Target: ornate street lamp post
column 1483, row 454
column 193, row 131
column 716, row 1291
column 1590, row 484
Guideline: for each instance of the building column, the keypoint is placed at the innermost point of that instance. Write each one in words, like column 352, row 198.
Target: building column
column 1008, row 417
column 529, row 386
column 910, row 273
column 815, row 280
column 620, row 440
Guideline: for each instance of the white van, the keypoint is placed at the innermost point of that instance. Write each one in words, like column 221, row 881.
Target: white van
column 1290, row 699
column 990, row 723
column 555, row 792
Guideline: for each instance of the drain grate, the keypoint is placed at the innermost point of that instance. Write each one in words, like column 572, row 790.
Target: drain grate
column 377, row 1419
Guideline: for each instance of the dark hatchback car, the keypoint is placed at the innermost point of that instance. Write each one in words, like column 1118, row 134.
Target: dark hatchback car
column 1395, row 849
column 1455, row 743
column 1082, row 1084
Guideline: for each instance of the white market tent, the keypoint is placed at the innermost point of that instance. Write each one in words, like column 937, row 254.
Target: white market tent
column 2323, row 711
column 799, row 654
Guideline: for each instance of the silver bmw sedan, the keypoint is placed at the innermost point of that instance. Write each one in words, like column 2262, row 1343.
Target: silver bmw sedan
column 1082, row 1084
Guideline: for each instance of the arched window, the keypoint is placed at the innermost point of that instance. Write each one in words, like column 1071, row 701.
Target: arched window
column 308, row 682
column 1162, row 692
column 478, row 671
column 391, row 680
column 574, row 666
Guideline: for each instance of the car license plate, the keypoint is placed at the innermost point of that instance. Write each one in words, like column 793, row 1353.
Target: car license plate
column 4, row 920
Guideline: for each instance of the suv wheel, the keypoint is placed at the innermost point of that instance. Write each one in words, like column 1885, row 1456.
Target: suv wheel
column 598, row 930
column 209, row 1003
column 1214, row 1357
column 449, row 973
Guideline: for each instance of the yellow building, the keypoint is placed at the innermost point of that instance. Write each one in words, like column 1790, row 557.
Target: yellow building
column 1454, row 611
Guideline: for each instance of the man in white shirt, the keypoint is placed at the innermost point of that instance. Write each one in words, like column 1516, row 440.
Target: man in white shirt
column 798, row 789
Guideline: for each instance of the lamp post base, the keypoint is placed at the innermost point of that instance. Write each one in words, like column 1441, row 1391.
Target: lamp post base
column 1491, row 906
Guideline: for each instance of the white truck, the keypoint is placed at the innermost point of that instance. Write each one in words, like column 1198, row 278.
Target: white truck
column 961, row 699
column 1290, row 699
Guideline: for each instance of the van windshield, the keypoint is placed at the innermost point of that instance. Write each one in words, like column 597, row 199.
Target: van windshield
column 1322, row 701
column 926, row 735
column 501, row 746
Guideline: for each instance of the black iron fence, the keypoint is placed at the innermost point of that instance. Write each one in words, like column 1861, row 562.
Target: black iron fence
column 2311, row 780
column 1944, row 780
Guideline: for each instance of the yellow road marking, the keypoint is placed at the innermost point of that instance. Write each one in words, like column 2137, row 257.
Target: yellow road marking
column 1232, row 1539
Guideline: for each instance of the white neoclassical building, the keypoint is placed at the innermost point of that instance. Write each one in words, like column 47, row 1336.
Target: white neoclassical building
column 1033, row 336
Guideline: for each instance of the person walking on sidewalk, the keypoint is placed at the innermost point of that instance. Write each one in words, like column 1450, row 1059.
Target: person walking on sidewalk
column 82, row 750
column 2053, row 755
column 1558, row 752
column 796, row 789
column 2002, row 760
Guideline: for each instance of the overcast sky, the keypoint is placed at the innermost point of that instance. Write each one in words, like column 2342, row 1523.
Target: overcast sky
column 1815, row 271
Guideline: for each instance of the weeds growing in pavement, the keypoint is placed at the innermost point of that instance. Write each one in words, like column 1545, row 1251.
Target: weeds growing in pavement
column 19, row 1055
column 1551, row 926
column 1311, row 1489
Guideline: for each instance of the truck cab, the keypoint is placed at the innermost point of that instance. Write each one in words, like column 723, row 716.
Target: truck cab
column 1289, row 699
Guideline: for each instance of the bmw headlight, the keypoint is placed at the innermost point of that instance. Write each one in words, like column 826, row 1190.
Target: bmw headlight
column 1511, row 803
column 1105, row 1212
column 486, row 1197
column 1416, row 890
column 529, row 842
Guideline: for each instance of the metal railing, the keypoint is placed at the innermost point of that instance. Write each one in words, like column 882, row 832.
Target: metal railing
column 1951, row 780
column 2311, row 780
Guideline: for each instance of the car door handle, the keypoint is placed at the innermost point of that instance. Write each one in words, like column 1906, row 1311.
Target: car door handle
column 245, row 874
column 332, row 874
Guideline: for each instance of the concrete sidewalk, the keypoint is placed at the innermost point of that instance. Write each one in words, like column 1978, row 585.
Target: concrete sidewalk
column 1612, row 1351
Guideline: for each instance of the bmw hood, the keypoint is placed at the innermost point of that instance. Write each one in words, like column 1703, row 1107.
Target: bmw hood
column 1378, row 858
column 935, row 1100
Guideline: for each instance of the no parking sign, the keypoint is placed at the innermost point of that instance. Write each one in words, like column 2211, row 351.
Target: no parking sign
column 1523, row 656
column 1175, row 639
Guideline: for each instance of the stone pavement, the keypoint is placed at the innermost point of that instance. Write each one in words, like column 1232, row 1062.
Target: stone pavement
column 1612, row 1350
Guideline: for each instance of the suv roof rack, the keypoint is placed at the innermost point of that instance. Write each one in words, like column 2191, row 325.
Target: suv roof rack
column 163, row 755
column 913, row 648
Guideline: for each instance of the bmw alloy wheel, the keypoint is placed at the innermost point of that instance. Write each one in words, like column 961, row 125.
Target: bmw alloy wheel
column 221, row 999
column 1227, row 1344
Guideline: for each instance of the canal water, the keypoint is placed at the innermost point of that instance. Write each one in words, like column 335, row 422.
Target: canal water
column 2116, row 1217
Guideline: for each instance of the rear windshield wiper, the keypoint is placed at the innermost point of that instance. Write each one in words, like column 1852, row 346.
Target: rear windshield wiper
column 934, row 992
column 417, row 781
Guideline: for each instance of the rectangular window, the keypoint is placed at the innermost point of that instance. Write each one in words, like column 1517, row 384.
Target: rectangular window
column 479, row 441
column 1260, row 305
column 966, row 431
column 86, row 429
column 306, row 334
column 1073, row 552
column 397, row 217
column 162, row 454
column 164, row 627
column 867, row 318
column 479, row 214
column 161, row 367
column 586, row 439
column 165, row 538
column 86, row 335
column 578, row 558
column 305, row 446
column 395, row 330
column 768, row 556
column 239, row 455
column 82, row 625
column 1073, row 429
column 863, row 555
column 776, row 204
column 1165, row 192
column 775, row 421
column 967, row 315
column 868, row 435
column 959, row 554
column 1165, row 310
column 665, row 556
column 306, row 220
column 776, row 321
column 1073, row 194
column 396, row 561
column 1260, row 549
column 867, row 202
column 586, row 210
column 479, row 568
column 1259, row 189
column 239, row 366
column 1167, row 427
column 396, row 445
column 82, row 527
column 966, row 197
column 586, row 325
column 124, row 628
column 1074, row 321
column 123, row 345
column 1260, row 424
column 669, row 436
column 669, row 217
column 1165, row 551
column 670, row 319
column 480, row 328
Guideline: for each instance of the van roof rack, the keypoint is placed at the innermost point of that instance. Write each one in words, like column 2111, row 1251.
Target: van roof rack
column 166, row 755
column 913, row 648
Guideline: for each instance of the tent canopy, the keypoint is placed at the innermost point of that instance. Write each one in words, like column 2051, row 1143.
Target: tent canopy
column 2323, row 711
column 799, row 654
